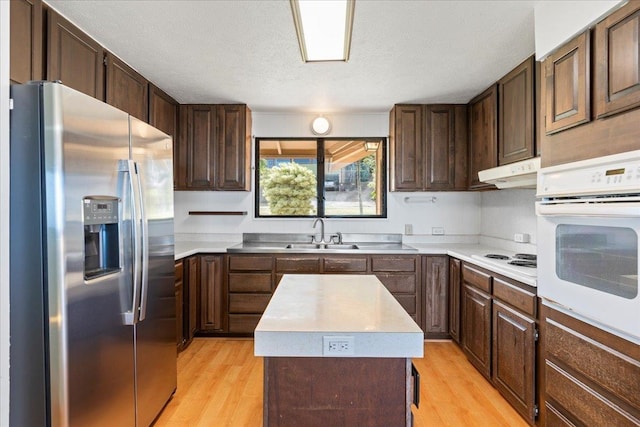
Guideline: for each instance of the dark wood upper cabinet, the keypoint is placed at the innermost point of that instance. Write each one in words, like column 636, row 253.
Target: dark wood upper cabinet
column 567, row 85
column 516, row 107
column 617, row 59
column 234, row 147
column 74, row 58
column 446, row 147
column 406, row 148
column 126, row 89
column 163, row 112
column 213, row 148
column 26, row 41
column 483, row 136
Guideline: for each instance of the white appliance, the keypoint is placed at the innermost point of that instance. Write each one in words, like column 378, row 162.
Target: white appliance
column 92, row 263
column 522, row 174
column 588, row 251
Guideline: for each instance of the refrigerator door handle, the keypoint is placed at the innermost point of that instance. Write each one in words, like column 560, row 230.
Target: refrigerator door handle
column 129, row 167
column 144, row 238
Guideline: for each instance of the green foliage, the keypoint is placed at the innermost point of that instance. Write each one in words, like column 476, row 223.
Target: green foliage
column 290, row 189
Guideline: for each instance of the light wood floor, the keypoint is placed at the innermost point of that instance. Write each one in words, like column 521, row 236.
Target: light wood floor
column 220, row 384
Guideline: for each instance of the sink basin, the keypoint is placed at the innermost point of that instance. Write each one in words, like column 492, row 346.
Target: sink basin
column 315, row 246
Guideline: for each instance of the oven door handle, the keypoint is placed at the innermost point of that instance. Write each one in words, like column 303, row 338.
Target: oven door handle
column 588, row 208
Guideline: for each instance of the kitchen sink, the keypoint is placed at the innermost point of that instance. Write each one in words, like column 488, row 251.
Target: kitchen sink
column 320, row 246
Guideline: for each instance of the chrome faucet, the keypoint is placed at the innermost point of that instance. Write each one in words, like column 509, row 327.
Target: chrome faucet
column 313, row 240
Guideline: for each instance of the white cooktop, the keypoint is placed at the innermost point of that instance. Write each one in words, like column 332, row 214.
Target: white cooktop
column 504, row 264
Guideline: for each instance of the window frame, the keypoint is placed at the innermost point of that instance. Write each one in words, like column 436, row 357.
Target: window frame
column 320, row 190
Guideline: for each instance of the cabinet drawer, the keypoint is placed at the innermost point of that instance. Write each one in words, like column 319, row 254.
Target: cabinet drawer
column 398, row 283
column 248, row 303
column 249, row 282
column 345, row 265
column 476, row 277
column 584, row 404
column 250, row 263
column 179, row 271
column 243, row 323
column 408, row 302
column 406, row 263
column 298, row 264
column 518, row 298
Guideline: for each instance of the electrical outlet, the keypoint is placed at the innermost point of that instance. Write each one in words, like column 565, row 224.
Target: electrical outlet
column 437, row 231
column 408, row 229
column 521, row 238
column 337, row 346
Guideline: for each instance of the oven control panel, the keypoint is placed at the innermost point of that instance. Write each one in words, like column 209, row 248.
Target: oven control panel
column 616, row 174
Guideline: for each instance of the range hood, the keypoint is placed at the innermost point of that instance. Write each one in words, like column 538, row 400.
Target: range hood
column 521, row 174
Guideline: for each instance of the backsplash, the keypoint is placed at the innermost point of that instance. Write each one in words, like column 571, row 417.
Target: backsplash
column 506, row 212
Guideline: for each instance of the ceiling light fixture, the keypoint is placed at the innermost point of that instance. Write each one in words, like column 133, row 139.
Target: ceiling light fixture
column 320, row 126
column 323, row 28
column 371, row 145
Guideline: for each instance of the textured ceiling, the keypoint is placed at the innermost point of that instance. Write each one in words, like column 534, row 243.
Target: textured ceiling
column 247, row 52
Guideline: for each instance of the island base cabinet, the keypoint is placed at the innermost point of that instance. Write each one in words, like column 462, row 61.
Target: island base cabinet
column 319, row 391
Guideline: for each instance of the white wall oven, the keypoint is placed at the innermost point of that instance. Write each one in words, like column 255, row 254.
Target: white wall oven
column 588, row 228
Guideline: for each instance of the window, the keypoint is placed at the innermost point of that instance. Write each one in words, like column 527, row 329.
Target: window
column 309, row 177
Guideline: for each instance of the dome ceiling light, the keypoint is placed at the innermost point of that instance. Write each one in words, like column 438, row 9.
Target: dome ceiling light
column 320, row 125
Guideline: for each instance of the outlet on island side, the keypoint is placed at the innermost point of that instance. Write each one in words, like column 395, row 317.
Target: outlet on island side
column 340, row 345
column 408, row 229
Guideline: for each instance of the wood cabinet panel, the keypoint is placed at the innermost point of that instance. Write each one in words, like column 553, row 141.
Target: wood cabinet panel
column 406, row 148
column 248, row 303
column 74, row 58
column 388, row 263
column 163, row 112
column 409, row 303
column 298, row 264
column 455, row 278
column 435, row 276
column 335, row 264
column 477, row 277
column 476, row 328
column 243, row 323
column 617, row 57
column 211, row 293
column 191, row 298
column 126, row 89
column 516, row 107
column 234, row 147
column 567, row 85
column 250, row 282
column 483, row 135
column 514, row 358
column 251, row 263
column 518, row 298
column 440, row 147
column 26, row 36
column 398, row 283
column 197, row 153
column 179, row 294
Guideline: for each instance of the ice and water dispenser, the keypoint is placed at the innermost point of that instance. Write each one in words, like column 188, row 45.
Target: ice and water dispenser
column 101, row 236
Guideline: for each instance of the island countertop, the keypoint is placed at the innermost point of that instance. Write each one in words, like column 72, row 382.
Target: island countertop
column 307, row 308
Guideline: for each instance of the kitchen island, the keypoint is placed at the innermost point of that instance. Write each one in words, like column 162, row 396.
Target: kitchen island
column 337, row 351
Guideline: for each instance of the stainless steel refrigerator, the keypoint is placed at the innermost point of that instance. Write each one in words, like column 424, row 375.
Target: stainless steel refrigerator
column 92, row 262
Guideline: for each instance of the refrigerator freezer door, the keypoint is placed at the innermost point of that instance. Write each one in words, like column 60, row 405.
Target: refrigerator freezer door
column 91, row 348
column 155, row 345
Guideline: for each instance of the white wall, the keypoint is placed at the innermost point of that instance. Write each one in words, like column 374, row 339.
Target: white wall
column 457, row 212
column 4, row 213
column 559, row 21
column 506, row 212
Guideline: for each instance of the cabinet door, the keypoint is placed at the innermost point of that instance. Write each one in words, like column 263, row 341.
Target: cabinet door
column 436, row 289
column 514, row 358
column 516, row 108
column 483, row 142
column 190, row 297
column 454, row 298
column 26, row 40
column 406, row 148
column 567, row 85
column 179, row 293
column 74, row 58
column 440, row 145
column 233, row 148
column 617, row 56
column 163, row 115
column 196, row 148
column 476, row 328
column 211, row 306
column 126, row 89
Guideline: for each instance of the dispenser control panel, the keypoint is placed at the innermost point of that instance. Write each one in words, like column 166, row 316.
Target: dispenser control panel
column 100, row 210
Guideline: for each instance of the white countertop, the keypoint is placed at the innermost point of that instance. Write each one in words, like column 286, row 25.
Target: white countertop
column 305, row 308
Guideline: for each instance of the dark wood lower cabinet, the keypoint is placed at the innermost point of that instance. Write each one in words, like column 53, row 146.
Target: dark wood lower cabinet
column 190, row 297
column 318, row 391
column 179, row 303
column 211, row 293
column 435, row 271
column 591, row 377
column 476, row 328
column 455, row 278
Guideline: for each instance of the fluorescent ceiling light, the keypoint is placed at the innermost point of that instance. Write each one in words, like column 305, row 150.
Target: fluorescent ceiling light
column 323, row 28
